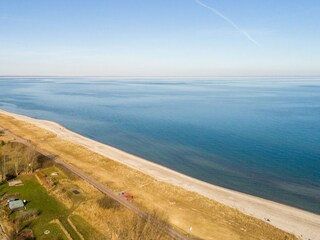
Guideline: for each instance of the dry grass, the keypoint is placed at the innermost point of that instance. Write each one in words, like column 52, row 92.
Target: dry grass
column 209, row 219
column 6, row 138
column 107, row 203
column 7, row 225
column 120, row 223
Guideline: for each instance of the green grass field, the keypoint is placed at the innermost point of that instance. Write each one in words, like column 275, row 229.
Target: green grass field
column 40, row 200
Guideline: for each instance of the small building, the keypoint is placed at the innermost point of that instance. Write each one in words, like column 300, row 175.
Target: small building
column 15, row 183
column 17, row 204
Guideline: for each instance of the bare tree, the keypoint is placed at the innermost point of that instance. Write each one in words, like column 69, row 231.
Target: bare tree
column 3, row 168
column 16, row 153
column 31, row 157
column 3, row 163
column 16, row 158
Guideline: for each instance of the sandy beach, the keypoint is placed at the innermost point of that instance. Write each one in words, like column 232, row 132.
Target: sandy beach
column 303, row 224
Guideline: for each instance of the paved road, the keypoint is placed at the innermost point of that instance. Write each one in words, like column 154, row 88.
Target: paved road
column 171, row 232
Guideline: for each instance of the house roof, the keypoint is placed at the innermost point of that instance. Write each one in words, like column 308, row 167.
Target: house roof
column 17, row 182
column 16, row 204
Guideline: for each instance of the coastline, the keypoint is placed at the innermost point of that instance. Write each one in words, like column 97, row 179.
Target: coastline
column 289, row 219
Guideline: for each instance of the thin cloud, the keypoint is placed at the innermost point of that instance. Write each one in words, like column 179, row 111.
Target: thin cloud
column 228, row 20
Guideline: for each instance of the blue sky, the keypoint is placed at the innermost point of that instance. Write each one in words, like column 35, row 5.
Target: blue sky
column 160, row 37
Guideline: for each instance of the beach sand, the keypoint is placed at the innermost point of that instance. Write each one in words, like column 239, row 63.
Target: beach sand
column 303, row 224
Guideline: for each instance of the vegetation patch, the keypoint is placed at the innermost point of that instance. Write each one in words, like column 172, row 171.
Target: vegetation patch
column 107, row 203
column 53, row 231
column 85, row 229
column 24, row 216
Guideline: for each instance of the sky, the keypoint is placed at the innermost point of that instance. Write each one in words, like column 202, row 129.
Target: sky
column 159, row 37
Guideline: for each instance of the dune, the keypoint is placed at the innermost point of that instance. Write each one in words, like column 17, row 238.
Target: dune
column 303, row 224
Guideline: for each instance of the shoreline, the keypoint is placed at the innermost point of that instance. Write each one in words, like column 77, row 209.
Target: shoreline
column 289, row 219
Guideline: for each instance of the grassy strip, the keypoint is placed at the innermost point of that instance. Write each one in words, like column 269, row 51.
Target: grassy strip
column 56, row 233
column 69, row 228
column 85, row 229
column 74, row 227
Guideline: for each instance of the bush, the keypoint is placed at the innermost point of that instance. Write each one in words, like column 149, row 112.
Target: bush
column 24, row 216
column 153, row 226
column 11, row 195
column 107, row 203
column 25, row 234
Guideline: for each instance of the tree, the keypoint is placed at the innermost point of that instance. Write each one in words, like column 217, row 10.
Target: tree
column 31, row 157
column 18, row 150
column 3, row 163
column 16, row 158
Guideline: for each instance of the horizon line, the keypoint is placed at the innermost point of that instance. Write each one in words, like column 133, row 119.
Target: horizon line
column 163, row 76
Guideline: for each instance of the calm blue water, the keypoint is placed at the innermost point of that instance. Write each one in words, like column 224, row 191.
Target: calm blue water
column 258, row 136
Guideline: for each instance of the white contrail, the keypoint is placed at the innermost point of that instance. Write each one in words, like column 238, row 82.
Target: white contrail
column 228, row 20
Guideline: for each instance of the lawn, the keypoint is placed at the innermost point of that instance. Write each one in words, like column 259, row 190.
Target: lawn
column 49, row 208
column 55, row 233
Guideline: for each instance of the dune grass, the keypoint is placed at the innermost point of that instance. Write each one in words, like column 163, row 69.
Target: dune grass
column 209, row 219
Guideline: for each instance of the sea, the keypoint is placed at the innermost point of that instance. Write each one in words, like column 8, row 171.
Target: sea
column 256, row 135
